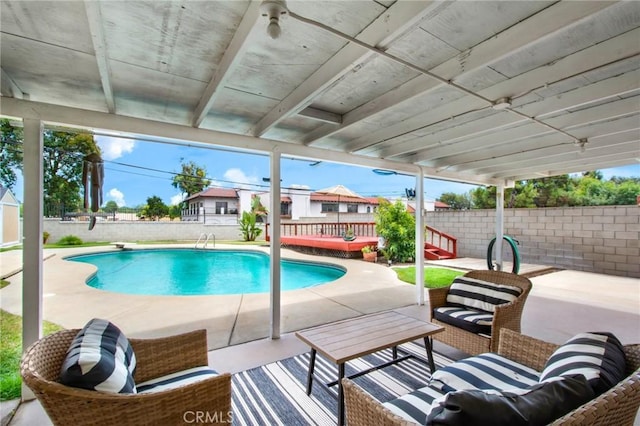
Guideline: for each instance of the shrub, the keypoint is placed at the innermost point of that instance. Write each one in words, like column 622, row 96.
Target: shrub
column 70, row 240
column 397, row 226
column 250, row 231
column 45, row 237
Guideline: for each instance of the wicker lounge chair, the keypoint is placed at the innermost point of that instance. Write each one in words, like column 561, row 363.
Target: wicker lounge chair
column 505, row 316
column 618, row 406
column 155, row 358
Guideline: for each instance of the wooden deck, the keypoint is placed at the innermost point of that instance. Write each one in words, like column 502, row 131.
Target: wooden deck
column 328, row 245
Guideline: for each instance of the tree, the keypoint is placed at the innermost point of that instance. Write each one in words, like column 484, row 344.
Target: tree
column 62, row 155
column 155, row 208
column 110, row 207
column 483, row 198
column 11, row 153
column 175, row 211
column 456, row 201
column 626, row 193
column 192, row 179
column 397, row 226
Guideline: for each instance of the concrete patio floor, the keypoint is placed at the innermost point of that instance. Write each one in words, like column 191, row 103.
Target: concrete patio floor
column 561, row 304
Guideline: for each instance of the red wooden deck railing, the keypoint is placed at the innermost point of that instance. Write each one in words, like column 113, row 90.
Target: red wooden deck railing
column 446, row 244
column 362, row 229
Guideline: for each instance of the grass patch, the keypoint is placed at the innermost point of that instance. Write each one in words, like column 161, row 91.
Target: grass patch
column 433, row 277
column 11, row 351
column 4, row 283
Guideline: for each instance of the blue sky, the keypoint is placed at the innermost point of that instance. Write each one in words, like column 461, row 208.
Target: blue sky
column 128, row 180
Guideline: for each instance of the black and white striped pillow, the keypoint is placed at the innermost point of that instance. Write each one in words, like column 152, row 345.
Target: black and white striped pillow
column 100, row 358
column 597, row 356
column 478, row 294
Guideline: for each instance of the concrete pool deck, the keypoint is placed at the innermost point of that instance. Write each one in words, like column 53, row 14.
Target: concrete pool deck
column 229, row 319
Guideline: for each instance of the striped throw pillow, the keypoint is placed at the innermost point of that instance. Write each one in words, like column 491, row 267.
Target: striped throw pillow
column 478, row 294
column 100, row 358
column 597, row 356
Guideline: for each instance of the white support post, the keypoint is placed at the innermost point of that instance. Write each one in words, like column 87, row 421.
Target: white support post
column 499, row 225
column 420, row 237
column 274, row 271
column 32, row 247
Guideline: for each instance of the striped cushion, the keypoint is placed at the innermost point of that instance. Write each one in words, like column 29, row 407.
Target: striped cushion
column 485, row 371
column 171, row 381
column 100, row 358
column 471, row 320
column 415, row 406
column 478, row 294
column 598, row 356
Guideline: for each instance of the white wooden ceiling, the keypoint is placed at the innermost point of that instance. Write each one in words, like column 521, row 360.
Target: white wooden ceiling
column 207, row 71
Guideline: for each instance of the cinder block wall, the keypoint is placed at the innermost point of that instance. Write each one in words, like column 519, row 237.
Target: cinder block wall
column 594, row 239
column 140, row 231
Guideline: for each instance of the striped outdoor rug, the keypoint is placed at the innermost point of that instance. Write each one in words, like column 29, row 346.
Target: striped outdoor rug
column 275, row 394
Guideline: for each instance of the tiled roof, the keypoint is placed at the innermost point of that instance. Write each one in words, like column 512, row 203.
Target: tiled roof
column 216, row 193
column 331, row 198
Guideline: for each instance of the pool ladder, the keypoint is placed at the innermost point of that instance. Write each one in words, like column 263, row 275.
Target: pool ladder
column 205, row 240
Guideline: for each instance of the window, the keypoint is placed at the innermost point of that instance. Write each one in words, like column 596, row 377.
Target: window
column 285, row 209
column 368, row 209
column 352, row 208
column 221, row 207
column 329, row 208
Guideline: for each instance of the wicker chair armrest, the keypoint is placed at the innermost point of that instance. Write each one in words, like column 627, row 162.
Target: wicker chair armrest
column 525, row 350
column 507, row 315
column 364, row 410
column 66, row 405
column 437, row 297
column 618, row 406
column 166, row 355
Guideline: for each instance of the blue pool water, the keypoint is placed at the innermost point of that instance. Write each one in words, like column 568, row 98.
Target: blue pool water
column 196, row 272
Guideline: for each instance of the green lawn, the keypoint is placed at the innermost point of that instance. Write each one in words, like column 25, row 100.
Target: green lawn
column 433, row 277
column 11, row 351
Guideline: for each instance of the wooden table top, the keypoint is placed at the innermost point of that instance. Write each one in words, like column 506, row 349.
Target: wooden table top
column 353, row 338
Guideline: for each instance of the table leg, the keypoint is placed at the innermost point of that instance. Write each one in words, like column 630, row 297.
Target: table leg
column 340, row 395
column 394, row 351
column 428, row 344
column 312, row 366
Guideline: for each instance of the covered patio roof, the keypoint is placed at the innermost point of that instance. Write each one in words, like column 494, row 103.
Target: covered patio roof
column 482, row 92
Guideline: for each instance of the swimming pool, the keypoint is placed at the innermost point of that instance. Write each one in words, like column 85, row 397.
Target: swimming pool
column 199, row 272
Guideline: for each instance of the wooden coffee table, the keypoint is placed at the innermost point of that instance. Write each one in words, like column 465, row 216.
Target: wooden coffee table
column 345, row 340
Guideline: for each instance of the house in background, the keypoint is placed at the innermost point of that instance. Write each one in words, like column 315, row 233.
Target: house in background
column 9, row 218
column 213, row 206
column 224, row 206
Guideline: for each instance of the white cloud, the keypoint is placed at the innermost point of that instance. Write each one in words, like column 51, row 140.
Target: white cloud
column 175, row 200
column 113, row 148
column 240, row 179
column 117, row 196
column 300, row 186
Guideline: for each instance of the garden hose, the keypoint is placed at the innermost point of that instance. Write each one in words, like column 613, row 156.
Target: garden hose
column 514, row 248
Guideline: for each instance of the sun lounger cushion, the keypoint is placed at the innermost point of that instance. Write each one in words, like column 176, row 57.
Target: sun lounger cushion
column 539, row 404
column 172, row 381
column 598, row 356
column 485, row 371
column 472, row 320
column 100, row 358
column 482, row 295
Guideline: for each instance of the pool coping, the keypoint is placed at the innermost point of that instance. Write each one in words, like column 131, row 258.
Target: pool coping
column 228, row 319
